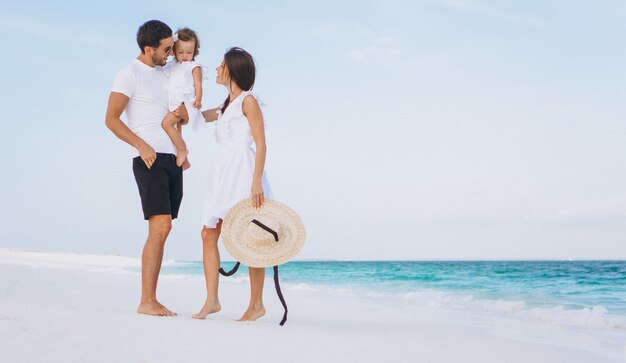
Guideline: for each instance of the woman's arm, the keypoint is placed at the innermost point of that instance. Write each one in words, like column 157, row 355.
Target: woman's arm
column 210, row 115
column 252, row 111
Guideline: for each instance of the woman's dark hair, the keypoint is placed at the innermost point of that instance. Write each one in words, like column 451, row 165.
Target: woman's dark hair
column 151, row 33
column 186, row 34
column 241, row 70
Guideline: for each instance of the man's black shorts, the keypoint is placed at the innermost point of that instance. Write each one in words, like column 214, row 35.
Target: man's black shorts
column 160, row 187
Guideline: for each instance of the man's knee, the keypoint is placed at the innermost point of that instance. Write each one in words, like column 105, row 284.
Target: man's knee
column 160, row 227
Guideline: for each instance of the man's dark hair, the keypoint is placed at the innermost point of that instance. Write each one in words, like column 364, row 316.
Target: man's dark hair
column 151, row 33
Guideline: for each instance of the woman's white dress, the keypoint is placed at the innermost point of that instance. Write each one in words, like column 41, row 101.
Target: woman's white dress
column 230, row 174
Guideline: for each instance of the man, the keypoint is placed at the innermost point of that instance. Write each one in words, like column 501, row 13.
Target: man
column 140, row 91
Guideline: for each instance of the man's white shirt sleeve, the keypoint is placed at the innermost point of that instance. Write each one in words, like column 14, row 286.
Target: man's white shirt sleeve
column 124, row 83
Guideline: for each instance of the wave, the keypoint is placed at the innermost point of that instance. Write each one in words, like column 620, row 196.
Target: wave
column 587, row 317
column 595, row 317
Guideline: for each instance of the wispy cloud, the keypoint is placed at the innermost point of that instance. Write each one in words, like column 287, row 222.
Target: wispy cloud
column 379, row 50
column 54, row 32
column 390, row 51
column 483, row 8
column 594, row 212
column 463, row 5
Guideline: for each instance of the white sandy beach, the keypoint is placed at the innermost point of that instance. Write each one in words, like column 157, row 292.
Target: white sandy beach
column 81, row 308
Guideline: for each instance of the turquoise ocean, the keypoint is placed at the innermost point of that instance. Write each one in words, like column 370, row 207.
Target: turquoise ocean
column 585, row 293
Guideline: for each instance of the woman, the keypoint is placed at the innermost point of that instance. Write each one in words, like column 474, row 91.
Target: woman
column 236, row 173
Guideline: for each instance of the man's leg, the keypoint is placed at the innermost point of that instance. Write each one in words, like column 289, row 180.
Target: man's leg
column 159, row 227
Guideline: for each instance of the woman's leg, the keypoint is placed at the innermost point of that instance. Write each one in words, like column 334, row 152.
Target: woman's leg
column 211, row 262
column 176, row 136
column 255, row 308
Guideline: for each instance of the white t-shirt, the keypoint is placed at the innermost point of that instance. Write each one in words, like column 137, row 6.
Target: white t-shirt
column 146, row 88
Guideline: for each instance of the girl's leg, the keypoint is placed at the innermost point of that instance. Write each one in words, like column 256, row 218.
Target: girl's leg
column 255, row 308
column 186, row 164
column 211, row 262
column 176, row 136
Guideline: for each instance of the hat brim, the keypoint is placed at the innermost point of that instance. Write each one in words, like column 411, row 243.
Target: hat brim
column 240, row 216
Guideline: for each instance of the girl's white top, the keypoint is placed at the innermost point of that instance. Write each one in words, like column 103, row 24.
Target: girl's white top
column 232, row 169
column 181, row 89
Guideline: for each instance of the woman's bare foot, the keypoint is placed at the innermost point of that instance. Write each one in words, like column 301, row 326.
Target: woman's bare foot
column 208, row 308
column 253, row 314
column 181, row 157
column 155, row 309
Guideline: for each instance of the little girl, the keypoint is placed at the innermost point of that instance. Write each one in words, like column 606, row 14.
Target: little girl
column 184, row 87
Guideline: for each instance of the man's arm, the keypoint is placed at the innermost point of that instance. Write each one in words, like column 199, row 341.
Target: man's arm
column 117, row 104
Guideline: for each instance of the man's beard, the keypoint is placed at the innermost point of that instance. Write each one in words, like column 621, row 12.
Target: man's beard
column 158, row 61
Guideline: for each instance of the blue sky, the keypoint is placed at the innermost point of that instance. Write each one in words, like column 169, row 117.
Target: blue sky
column 435, row 129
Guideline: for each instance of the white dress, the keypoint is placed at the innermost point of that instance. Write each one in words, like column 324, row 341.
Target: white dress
column 230, row 174
column 180, row 89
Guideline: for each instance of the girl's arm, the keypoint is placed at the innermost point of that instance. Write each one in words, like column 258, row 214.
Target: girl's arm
column 197, row 86
column 210, row 115
column 252, row 111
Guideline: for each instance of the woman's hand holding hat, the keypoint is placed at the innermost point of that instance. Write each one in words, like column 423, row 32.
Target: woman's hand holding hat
column 257, row 194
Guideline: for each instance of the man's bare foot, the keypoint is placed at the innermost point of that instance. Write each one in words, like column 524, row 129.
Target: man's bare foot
column 186, row 164
column 253, row 314
column 154, row 308
column 181, row 157
column 208, row 308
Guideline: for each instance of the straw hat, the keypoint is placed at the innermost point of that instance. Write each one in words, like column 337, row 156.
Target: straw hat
column 266, row 237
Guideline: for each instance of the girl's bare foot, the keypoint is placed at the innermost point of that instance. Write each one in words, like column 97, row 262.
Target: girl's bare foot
column 181, row 157
column 208, row 308
column 253, row 314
